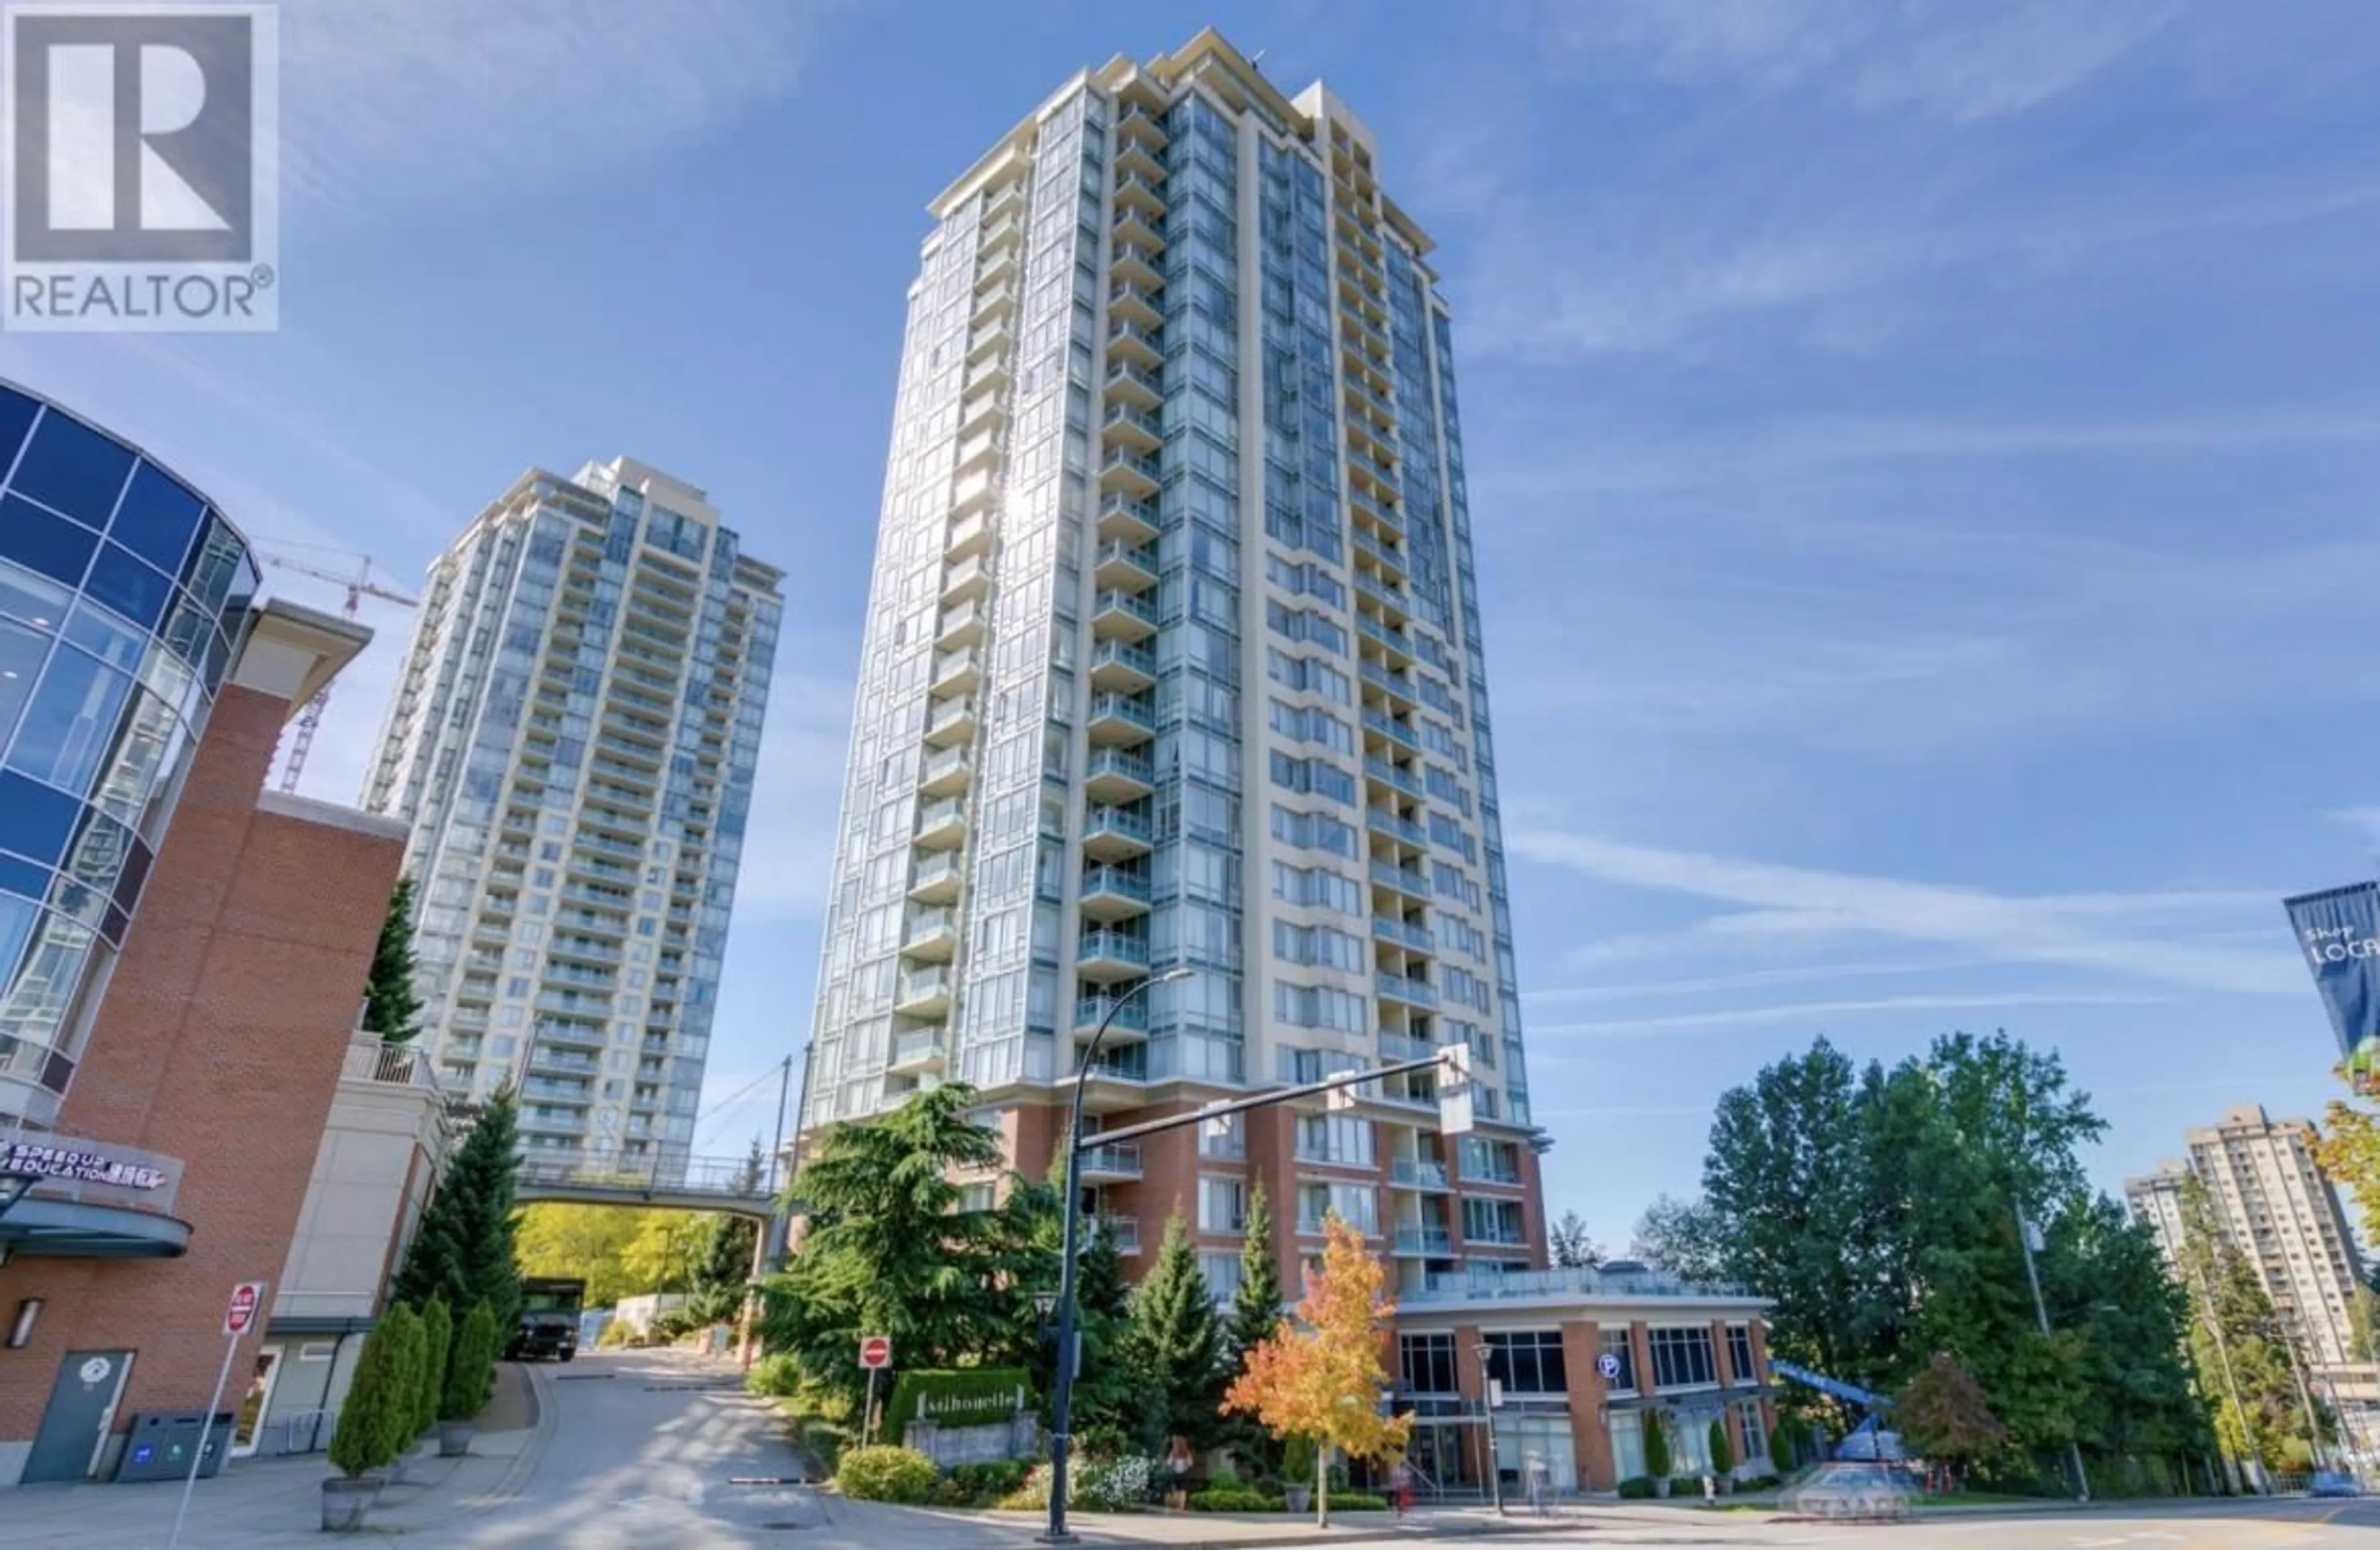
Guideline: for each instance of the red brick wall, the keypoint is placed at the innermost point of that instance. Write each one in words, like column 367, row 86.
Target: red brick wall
column 219, row 1042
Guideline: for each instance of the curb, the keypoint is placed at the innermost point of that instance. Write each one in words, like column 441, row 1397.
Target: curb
column 525, row 1463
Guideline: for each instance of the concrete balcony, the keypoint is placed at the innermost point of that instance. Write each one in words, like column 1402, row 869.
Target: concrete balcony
column 967, row 580
column 1122, row 1232
column 1129, row 472
column 1121, row 721
column 1110, row 893
column 946, row 773
column 1129, row 566
column 1413, row 1174
column 925, row 992
column 932, row 936
column 1129, row 1024
column 1409, row 991
column 1130, row 518
column 1116, row 1163
column 951, row 721
column 1120, row 615
column 957, row 672
column 960, row 626
column 937, row 878
column 1107, row 957
column 1119, row 667
column 1117, row 775
column 918, row 1050
column 942, row 824
column 1112, row 833
column 1424, row 1242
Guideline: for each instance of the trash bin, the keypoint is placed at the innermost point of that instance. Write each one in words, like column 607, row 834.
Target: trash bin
column 159, row 1444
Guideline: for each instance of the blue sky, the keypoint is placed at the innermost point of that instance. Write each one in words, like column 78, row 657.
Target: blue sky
column 1924, row 463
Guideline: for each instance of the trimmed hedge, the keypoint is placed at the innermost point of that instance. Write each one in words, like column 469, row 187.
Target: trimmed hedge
column 1232, row 1498
column 1636, row 1488
column 1357, row 1501
column 980, row 1484
column 985, row 1395
column 886, row 1474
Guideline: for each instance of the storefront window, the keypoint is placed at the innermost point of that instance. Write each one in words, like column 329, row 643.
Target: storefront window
column 1627, row 1430
column 1528, row 1362
column 1682, row 1359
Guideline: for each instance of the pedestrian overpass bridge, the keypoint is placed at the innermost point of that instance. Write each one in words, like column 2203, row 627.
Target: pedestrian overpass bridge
column 611, row 1179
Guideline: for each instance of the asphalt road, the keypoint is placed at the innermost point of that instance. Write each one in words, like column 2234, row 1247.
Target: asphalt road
column 2285, row 1525
column 644, row 1451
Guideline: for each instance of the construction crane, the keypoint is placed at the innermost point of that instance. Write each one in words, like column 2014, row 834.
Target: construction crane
column 360, row 585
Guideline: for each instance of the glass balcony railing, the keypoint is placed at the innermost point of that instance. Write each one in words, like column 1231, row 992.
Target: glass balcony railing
column 1119, row 1014
column 1113, row 947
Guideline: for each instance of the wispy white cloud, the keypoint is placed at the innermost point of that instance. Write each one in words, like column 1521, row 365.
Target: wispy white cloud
column 394, row 102
column 1796, row 1012
column 1703, row 985
column 2131, row 935
column 1959, row 62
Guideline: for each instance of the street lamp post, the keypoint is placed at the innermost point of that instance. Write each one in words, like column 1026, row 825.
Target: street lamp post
column 2026, row 1232
column 1061, row 1403
column 1487, row 1412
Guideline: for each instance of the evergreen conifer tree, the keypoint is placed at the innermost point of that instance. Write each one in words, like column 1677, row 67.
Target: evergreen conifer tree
column 463, row 1250
column 1256, row 1314
column 391, row 1008
column 1178, row 1342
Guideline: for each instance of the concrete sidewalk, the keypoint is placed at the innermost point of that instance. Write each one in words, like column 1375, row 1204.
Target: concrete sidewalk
column 864, row 1522
column 276, row 1502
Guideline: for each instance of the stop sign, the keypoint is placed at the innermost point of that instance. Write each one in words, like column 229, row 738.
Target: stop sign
column 875, row 1351
column 246, row 1297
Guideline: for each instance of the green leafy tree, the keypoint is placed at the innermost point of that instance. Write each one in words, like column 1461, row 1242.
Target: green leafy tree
column 1878, row 1209
column 373, row 1421
column 668, row 1252
column 1573, row 1247
column 564, row 1240
column 391, row 1008
column 1943, row 1415
column 472, row 1371
column 893, row 1248
column 463, row 1250
column 1178, row 1342
column 438, row 1339
column 2245, row 1365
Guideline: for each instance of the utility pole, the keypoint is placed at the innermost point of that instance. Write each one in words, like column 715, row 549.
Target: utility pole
column 2249, row 1468
column 2030, row 1236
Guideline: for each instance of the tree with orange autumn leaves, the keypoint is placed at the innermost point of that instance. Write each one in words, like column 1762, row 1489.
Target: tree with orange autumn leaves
column 1320, row 1377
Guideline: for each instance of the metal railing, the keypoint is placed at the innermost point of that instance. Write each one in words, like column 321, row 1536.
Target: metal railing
column 371, row 1059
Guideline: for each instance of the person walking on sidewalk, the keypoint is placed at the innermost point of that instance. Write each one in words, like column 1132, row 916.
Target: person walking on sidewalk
column 1400, row 1488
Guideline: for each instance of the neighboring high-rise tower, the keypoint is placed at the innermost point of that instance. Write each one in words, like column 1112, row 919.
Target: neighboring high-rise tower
column 573, row 741
column 1173, row 659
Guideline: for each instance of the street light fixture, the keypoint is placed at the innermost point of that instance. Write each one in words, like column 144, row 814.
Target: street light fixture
column 1487, row 1412
column 1062, row 1404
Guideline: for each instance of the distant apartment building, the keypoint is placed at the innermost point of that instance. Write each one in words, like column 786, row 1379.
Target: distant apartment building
column 182, row 952
column 2275, row 1205
column 1174, row 661
column 572, row 745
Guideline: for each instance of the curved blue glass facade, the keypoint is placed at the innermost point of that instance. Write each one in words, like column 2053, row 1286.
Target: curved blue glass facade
column 123, row 595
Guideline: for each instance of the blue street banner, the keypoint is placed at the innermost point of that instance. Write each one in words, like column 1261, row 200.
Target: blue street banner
column 2338, row 932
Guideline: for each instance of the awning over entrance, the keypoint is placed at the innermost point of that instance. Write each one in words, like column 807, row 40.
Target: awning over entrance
column 86, row 1229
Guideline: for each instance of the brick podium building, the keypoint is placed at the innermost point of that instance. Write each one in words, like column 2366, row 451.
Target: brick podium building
column 182, row 953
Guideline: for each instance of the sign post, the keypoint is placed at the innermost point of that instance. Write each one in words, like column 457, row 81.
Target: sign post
column 240, row 1315
column 875, row 1354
